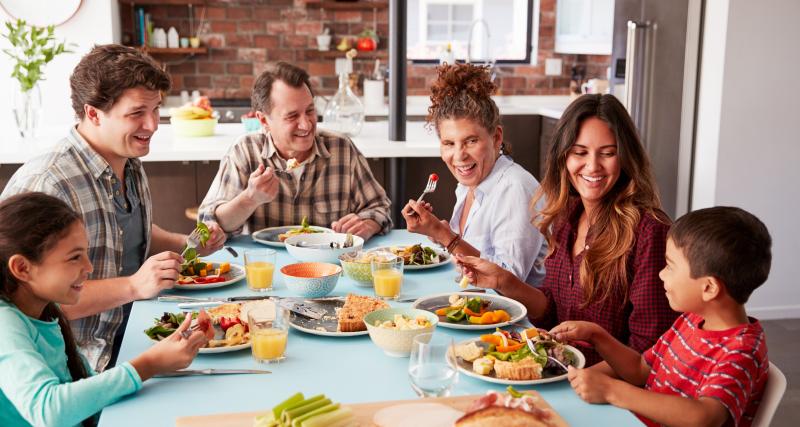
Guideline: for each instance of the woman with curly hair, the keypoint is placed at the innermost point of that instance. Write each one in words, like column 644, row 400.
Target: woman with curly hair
column 486, row 220
column 604, row 227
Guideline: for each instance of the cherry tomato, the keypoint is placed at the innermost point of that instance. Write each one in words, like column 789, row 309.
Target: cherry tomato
column 433, row 177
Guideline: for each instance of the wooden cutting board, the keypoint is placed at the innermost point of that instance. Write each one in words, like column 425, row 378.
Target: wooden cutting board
column 364, row 412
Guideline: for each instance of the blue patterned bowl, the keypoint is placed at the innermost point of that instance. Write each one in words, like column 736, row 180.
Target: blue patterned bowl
column 311, row 279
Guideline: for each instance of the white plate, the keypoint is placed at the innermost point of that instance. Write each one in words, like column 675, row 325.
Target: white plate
column 269, row 236
column 236, row 274
column 327, row 325
column 327, row 333
column 443, row 255
column 516, row 311
column 466, row 368
column 206, row 350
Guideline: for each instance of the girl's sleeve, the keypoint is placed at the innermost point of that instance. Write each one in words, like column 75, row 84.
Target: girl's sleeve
column 37, row 393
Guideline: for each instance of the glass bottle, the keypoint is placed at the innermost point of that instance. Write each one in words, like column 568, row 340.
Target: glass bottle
column 344, row 112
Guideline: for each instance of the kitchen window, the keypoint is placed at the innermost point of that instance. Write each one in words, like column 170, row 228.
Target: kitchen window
column 501, row 31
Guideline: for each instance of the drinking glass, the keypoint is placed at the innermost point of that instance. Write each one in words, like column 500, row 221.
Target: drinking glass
column 432, row 365
column 387, row 276
column 268, row 334
column 259, row 265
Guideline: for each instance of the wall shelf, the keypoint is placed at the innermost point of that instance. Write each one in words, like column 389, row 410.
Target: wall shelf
column 356, row 5
column 164, row 2
column 333, row 54
column 173, row 50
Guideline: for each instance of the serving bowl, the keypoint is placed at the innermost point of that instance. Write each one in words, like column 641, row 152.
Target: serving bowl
column 393, row 341
column 316, row 247
column 200, row 127
column 311, row 279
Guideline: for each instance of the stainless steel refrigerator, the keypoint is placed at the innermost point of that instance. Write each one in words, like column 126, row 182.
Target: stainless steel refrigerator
column 655, row 55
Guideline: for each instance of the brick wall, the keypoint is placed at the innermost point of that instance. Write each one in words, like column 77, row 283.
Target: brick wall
column 244, row 36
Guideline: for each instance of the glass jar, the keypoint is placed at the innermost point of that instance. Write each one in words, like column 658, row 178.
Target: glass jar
column 344, row 112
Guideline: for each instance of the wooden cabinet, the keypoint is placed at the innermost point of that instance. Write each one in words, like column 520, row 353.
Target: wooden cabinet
column 545, row 141
column 522, row 133
column 6, row 172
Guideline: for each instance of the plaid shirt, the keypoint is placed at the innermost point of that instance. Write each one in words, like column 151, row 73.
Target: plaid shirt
column 76, row 174
column 336, row 181
column 637, row 321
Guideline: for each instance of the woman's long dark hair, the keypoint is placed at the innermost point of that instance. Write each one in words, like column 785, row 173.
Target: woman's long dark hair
column 30, row 225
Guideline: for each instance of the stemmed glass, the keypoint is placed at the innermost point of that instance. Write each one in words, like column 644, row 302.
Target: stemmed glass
column 432, row 365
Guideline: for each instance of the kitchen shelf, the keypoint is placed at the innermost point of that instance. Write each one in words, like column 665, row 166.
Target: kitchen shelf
column 356, row 5
column 164, row 2
column 333, row 54
column 173, row 50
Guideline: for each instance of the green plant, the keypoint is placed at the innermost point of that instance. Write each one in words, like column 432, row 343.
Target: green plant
column 33, row 48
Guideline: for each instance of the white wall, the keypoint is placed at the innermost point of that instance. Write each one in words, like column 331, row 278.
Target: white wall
column 96, row 22
column 755, row 161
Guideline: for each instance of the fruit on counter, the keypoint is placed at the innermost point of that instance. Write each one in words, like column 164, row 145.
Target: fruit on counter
column 200, row 109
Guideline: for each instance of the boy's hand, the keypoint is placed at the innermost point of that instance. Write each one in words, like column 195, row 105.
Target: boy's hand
column 575, row 330
column 589, row 384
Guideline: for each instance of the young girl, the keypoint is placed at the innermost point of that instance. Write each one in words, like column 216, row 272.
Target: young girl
column 43, row 379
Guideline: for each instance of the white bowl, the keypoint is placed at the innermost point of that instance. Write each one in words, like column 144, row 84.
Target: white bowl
column 397, row 342
column 321, row 252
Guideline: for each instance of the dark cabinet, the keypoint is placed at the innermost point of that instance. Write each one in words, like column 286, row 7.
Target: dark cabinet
column 545, row 141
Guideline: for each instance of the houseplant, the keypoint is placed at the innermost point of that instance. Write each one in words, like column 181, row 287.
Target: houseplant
column 31, row 49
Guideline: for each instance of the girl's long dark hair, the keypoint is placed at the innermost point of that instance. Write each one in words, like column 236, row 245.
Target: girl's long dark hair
column 30, row 225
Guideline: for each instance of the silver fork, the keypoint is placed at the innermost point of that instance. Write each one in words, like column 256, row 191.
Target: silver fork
column 533, row 350
column 192, row 241
column 430, row 187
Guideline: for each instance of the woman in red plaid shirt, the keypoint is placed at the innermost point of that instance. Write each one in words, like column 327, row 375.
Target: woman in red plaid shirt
column 605, row 230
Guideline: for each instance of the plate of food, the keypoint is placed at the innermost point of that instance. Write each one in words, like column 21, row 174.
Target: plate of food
column 199, row 274
column 466, row 310
column 275, row 236
column 343, row 317
column 418, row 257
column 506, row 357
column 228, row 322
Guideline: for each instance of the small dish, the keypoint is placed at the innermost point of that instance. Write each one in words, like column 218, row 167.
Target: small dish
column 311, row 279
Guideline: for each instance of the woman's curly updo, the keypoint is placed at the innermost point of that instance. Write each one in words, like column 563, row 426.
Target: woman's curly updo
column 463, row 91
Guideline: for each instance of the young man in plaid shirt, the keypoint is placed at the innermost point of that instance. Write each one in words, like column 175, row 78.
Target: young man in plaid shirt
column 290, row 170
column 711, row 366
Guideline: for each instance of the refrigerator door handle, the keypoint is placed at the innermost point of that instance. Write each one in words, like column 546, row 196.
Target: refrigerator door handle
column 633, row 78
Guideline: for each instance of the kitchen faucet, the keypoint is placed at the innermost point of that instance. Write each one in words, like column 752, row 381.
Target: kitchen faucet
column 489, row 61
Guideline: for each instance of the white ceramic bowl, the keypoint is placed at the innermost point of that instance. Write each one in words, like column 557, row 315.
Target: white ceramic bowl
column 321, row 252
column 397, row 342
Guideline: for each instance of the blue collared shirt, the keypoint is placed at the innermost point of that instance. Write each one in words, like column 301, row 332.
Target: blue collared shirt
column 499, row 221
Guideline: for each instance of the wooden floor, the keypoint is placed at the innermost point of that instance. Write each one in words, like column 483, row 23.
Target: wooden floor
column 783, row 344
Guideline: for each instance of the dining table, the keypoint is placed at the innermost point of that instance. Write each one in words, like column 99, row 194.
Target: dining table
column 346, row 369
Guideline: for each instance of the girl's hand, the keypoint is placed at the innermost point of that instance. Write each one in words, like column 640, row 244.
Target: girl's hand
column 480, row 272
column 574, row 330
column 421, row 220
column 172, row 353
column 589, row 384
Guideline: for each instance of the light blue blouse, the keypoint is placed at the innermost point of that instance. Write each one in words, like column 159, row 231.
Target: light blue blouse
column 36, row 387
column 499, row 221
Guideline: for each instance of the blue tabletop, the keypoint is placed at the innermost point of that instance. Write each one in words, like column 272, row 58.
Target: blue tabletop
column 348, row 370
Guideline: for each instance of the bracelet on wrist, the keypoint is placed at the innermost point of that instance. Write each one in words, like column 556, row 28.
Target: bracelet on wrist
column 453, row 243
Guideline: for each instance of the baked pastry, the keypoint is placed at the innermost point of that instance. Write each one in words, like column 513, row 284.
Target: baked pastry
column 525, row 369
column 500, row 416
column 350, row 317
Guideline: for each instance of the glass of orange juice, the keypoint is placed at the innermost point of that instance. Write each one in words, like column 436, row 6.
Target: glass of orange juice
column 387, row 276
column 259, row 265
column 269, row 333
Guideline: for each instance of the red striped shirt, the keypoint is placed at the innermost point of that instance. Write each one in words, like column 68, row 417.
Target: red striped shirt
column 730, row 366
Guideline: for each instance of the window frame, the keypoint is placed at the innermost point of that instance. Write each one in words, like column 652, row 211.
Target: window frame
column 532, row 34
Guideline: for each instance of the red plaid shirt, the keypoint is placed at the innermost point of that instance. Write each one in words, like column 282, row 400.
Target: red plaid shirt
column 638, row 320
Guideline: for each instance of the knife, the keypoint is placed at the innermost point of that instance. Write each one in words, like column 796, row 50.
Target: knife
column 209, row 371
column 178, row 298
column 299, row 307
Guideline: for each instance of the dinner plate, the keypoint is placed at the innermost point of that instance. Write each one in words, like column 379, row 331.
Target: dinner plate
column 515, row 309
column 269, row 236
column 327, row 325
column 226, row 349
column 466, row 368
column 236, row 274
column 444, row 257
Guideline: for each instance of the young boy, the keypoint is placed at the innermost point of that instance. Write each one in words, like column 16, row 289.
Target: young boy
column 710, row 367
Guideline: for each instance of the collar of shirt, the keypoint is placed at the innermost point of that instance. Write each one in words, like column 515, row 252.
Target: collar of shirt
column 482, row 190
column 318, row 149
column 96, row 164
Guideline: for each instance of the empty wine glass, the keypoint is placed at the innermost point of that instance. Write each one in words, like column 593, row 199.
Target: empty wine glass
column 432, row 366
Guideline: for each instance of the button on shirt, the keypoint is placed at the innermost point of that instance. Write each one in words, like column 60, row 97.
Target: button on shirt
column 131, row 223
column 499, row 221
column 73, row 172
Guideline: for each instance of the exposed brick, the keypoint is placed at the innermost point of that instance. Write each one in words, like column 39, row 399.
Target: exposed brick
column 225, row 81
column 260, row 67
column 266, row 41
column 347, row 16
column 245, row 68
column 281, row 55
column 296, row 41
column 213, row 40
column 210, row 67
column 252, row 54
column 308, row 28
column 267, row 13
column 196, row 82
column 251, row 26
column 321, row 68
column 224, row 54
column 211, row 12
column 247, row 81
column 188, row 67
column 279, row 27
column 223, row 26
column 239, row 40
column 239, row 12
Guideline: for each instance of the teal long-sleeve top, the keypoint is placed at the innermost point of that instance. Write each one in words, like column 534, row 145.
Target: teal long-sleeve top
column 36, row 387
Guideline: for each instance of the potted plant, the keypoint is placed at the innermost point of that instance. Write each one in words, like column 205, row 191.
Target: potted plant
column 32, row 48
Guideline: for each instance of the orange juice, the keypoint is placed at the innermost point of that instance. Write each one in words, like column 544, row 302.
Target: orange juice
column 387, row 282
column 259, row 274
column 268, row 344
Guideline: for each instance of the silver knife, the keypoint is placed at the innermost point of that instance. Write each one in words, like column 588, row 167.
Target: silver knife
column 179, row 298
column 303, row 309
column 210, row 371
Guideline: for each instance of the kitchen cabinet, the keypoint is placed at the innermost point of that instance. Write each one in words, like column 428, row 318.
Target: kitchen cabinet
column 6, row 172
column 545, row 141
column 584, row 26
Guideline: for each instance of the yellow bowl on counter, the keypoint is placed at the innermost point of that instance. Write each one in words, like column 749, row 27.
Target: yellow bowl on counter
column 201, row 127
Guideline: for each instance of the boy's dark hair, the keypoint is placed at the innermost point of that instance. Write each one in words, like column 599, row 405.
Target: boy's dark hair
column 292, row 75
column 728, row 243
column 107, row 71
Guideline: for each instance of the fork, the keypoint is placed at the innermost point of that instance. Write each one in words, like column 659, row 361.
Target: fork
column 430, row 187
column 533, row 349
column 192, row 241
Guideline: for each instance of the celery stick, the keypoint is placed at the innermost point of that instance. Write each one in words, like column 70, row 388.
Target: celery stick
column 301, row 403
column 329, row 418
column 291, row 414
column 295, row 398
column 323, row 410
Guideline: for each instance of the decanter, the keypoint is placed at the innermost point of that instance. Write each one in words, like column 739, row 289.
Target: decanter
column 344, row 112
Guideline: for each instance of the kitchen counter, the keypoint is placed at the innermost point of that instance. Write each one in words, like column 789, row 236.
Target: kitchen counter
column 373, row 142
